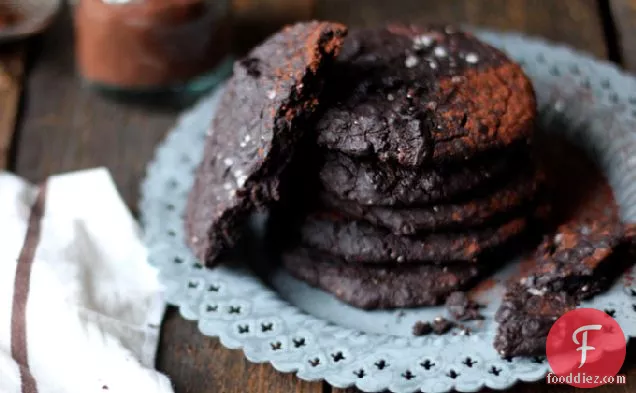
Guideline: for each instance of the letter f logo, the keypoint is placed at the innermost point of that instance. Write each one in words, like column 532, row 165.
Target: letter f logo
column 584, row 347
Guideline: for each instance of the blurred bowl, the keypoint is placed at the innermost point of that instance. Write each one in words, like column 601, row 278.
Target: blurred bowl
column 34, row 17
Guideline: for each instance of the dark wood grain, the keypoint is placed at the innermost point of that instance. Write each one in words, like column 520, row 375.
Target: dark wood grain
column 573, row 22
column 12, row 60
column 256, row 19
column 624, row 16
column 199, row 364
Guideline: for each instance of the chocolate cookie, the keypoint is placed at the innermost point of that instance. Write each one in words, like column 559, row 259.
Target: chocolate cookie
column 414, row 95
column 578, row 259
column 587, row 229
column 369, row 182
column 379, row 287
column 407, row 221
column 260, row 119
column 525, row 318
column 532, row 303
column 586, row 251
column 361, row 242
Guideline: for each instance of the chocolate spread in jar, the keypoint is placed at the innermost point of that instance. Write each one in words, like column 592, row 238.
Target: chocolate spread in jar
column 141, row 44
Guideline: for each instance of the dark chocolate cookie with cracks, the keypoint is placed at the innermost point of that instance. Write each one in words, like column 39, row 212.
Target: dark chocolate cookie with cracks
column 361, row 242
column 379, row 286
column 416, row 95
column 260, row 120
column 509, row 198
column 370, row 182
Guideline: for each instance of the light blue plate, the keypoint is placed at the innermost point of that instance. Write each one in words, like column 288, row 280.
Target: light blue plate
column 303, row 330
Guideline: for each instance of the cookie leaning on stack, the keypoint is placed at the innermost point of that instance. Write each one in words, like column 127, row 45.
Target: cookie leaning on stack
column 263, row 111
column 426, row 137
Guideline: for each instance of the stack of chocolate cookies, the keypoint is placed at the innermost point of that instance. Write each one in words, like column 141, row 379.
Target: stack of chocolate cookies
column 425, row 167
column 402, row 160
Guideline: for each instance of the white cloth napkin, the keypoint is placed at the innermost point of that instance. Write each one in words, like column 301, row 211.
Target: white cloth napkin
column 80, row 308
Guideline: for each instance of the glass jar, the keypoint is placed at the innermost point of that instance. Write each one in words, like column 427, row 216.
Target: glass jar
column 137, row 46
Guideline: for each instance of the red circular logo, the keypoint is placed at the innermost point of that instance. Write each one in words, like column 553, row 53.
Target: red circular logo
column 585, row 348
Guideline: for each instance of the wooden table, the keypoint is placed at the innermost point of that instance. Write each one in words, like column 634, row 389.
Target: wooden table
column 62, row 127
